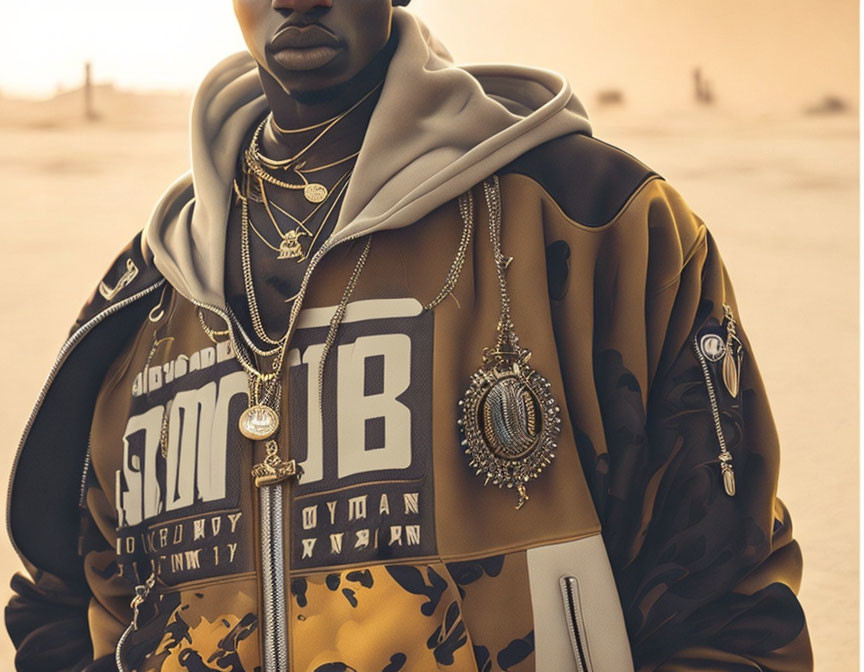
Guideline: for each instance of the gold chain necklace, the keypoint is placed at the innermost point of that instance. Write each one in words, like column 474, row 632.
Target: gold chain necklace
column 290, row 247
column 289, row 244
column 314, row 192
column 246, row 262
column 261, row 420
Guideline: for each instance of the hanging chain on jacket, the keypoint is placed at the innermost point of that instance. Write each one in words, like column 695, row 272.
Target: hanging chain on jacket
column 466, row 211
column 263, row 411
column 510, row 422
column 261, row 420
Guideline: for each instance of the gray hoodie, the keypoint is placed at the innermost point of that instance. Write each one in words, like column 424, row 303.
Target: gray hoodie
column 430, row 139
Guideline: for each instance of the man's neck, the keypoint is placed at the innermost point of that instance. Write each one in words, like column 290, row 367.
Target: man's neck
column 303, row 109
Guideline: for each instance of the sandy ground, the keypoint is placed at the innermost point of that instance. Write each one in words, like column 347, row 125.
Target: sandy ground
column 779, row 194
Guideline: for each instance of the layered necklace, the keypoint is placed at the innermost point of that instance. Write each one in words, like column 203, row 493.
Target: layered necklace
column 261, row 420
column 290, row 245
column 246, row 225
column 261, row 166
column 260, row 171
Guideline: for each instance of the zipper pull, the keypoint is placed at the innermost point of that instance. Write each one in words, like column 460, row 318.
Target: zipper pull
column 142, row 592
column 728, row 472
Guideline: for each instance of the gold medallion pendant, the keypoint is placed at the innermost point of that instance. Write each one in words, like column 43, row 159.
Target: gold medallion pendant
column 259, row 422
column 315, row 192
column 510, row 422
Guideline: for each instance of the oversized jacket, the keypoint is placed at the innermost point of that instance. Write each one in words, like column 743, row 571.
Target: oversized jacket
column 652, row 540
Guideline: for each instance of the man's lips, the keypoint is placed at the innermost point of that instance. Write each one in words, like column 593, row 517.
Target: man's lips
column 305, row 37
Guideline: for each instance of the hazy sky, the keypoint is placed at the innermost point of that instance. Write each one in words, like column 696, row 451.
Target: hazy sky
column 758, row 53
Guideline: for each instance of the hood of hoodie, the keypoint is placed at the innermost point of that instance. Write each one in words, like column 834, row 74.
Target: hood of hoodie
column 437, row 130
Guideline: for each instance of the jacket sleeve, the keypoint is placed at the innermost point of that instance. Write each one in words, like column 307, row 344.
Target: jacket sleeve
column 68, row 626
column 707, row 569
column 47, row 623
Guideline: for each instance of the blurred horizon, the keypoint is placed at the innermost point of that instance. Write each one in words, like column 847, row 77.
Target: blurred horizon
column 774, row 56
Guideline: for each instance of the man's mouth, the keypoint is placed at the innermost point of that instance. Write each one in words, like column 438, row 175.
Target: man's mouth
column 304, row 37
column 304, row 47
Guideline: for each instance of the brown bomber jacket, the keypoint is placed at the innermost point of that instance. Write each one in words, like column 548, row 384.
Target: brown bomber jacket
column 631, row 551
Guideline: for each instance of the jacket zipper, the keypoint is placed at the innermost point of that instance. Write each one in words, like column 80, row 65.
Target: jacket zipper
column 275, row 630
column 84, row 472
column 726, row 470
column 64, row 353
column 573, row 615
column 274, row 626
column 142, row 592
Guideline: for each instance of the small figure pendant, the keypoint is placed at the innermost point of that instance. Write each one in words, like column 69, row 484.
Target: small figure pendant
column 290, row 247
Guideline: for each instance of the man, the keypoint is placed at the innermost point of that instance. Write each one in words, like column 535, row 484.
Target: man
column 409, row 373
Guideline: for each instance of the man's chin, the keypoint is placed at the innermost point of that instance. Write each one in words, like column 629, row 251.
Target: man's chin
column 323, row 83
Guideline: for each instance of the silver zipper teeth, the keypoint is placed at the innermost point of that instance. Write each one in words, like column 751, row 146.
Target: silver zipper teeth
column 712, row 396
column 64, row 353
column 84, row 472
column 275, row 630
column 569, row 586
column 142, row 592
column 118, row 658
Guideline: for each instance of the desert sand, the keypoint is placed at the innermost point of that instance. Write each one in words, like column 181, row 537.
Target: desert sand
column 779, row 193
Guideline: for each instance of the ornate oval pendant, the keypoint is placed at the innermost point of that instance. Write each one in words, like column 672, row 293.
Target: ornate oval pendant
column 315, row 193
column 259, row 422
column 510, row 424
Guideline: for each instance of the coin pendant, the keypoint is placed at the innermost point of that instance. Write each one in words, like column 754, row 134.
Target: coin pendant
column 315, row 193
column 259, row 422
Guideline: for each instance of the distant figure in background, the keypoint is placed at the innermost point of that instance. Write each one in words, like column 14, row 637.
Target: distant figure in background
column 610, row 98
column 89, row 109
column 702, row 88
column 410, row 372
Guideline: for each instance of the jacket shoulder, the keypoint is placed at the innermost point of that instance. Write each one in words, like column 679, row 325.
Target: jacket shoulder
column 131, row 272
column 590, row 179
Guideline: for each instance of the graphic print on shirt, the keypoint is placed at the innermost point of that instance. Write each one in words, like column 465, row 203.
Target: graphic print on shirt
column 178, row 491
column 366, row 491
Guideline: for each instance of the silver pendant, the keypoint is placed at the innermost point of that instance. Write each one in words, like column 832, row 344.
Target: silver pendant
column 733, row 351
column 315, row 192
column 732, row 372
column 259, row 422
column 510, row 423
column 712, row 347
